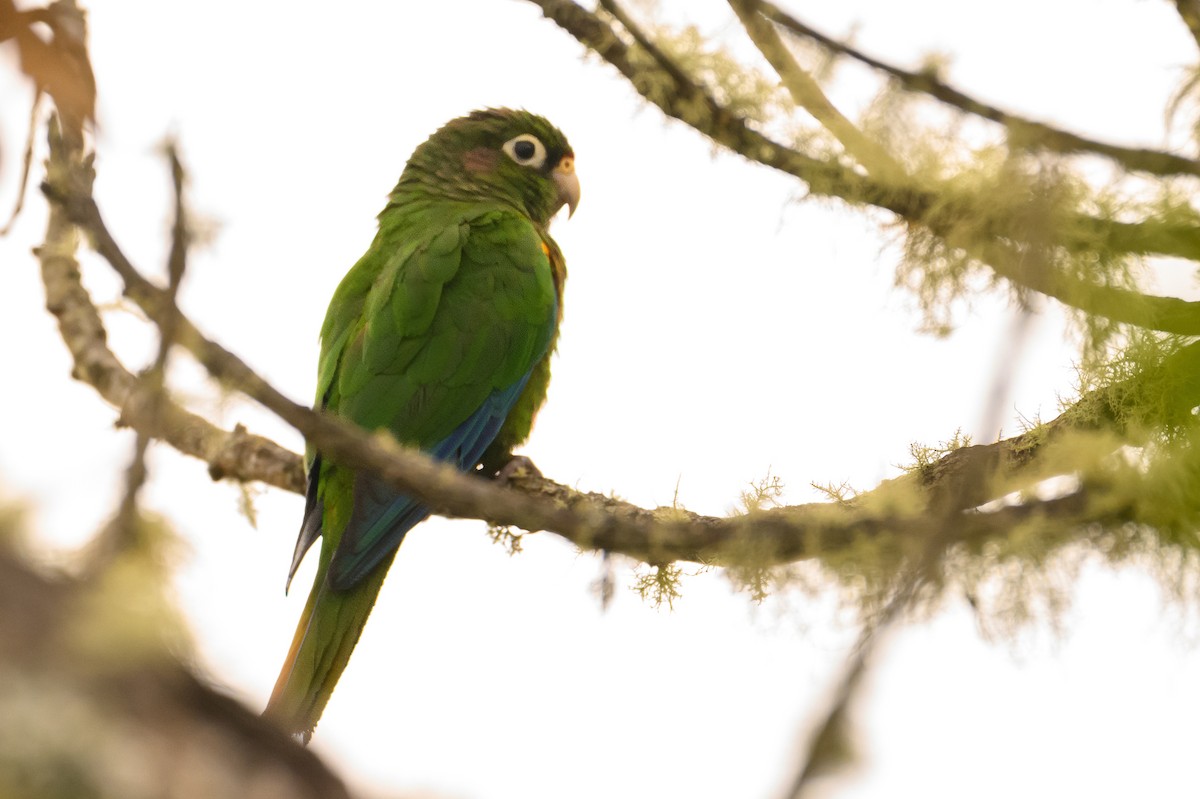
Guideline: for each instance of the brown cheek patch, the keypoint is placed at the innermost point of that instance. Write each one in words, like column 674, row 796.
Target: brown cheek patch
column 481, row 159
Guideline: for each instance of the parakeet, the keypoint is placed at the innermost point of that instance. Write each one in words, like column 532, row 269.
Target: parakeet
column 441, row 334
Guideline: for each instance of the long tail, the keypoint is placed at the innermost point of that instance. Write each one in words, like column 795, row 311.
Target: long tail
column 328, row 630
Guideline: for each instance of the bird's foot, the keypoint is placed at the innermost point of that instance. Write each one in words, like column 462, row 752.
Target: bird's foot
column 517, row 467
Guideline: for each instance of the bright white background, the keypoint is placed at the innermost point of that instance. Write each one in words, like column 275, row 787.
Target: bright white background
column 715, row 328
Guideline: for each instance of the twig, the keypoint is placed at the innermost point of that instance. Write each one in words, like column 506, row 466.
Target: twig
column 26, row 163
column 234, row 454
column 830, row 746
column 123, row 532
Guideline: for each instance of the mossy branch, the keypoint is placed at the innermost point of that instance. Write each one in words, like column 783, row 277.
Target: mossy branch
column 808, row 94
column 1022, row 131
column 999, row 241
column 901, row 509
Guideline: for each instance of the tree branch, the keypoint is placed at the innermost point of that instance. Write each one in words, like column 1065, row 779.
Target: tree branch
column 591, row 521
column 808, row 95
column 692, row 104
column 124, row 531
column 235, row 454
column 1189, row 12
column 1023, row 132
column 918, row 515
column 903, row 509
column 118, row 686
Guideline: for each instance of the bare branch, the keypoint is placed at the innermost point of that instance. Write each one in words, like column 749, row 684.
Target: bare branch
column 234, row 454
column 1023, row 132
column 237, row 454
column 123, row 532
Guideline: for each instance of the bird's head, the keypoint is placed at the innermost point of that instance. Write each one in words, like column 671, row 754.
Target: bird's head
column 497, row 154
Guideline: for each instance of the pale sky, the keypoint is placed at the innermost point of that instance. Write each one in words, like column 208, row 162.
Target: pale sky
column 715, row 328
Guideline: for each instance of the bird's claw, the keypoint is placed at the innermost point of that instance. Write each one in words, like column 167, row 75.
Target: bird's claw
column 518, row 466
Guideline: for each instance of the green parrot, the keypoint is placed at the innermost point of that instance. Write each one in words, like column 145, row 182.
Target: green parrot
column 441, row 334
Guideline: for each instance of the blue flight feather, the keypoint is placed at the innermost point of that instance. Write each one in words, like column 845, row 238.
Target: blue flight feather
column 381, row 515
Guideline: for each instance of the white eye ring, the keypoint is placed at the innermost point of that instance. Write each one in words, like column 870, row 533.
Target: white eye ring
column 526, row 150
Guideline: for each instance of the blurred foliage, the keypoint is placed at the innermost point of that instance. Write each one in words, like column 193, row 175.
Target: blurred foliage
column 97, row 695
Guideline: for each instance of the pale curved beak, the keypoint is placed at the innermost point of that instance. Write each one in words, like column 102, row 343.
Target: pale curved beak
column 568, row 183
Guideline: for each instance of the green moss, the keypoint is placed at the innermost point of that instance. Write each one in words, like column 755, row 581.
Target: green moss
column 659, row 584
column 762, row 494
column 925, row 456
column 506, row 536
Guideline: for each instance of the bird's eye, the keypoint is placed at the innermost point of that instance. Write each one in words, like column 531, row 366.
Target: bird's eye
column 526, row 150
